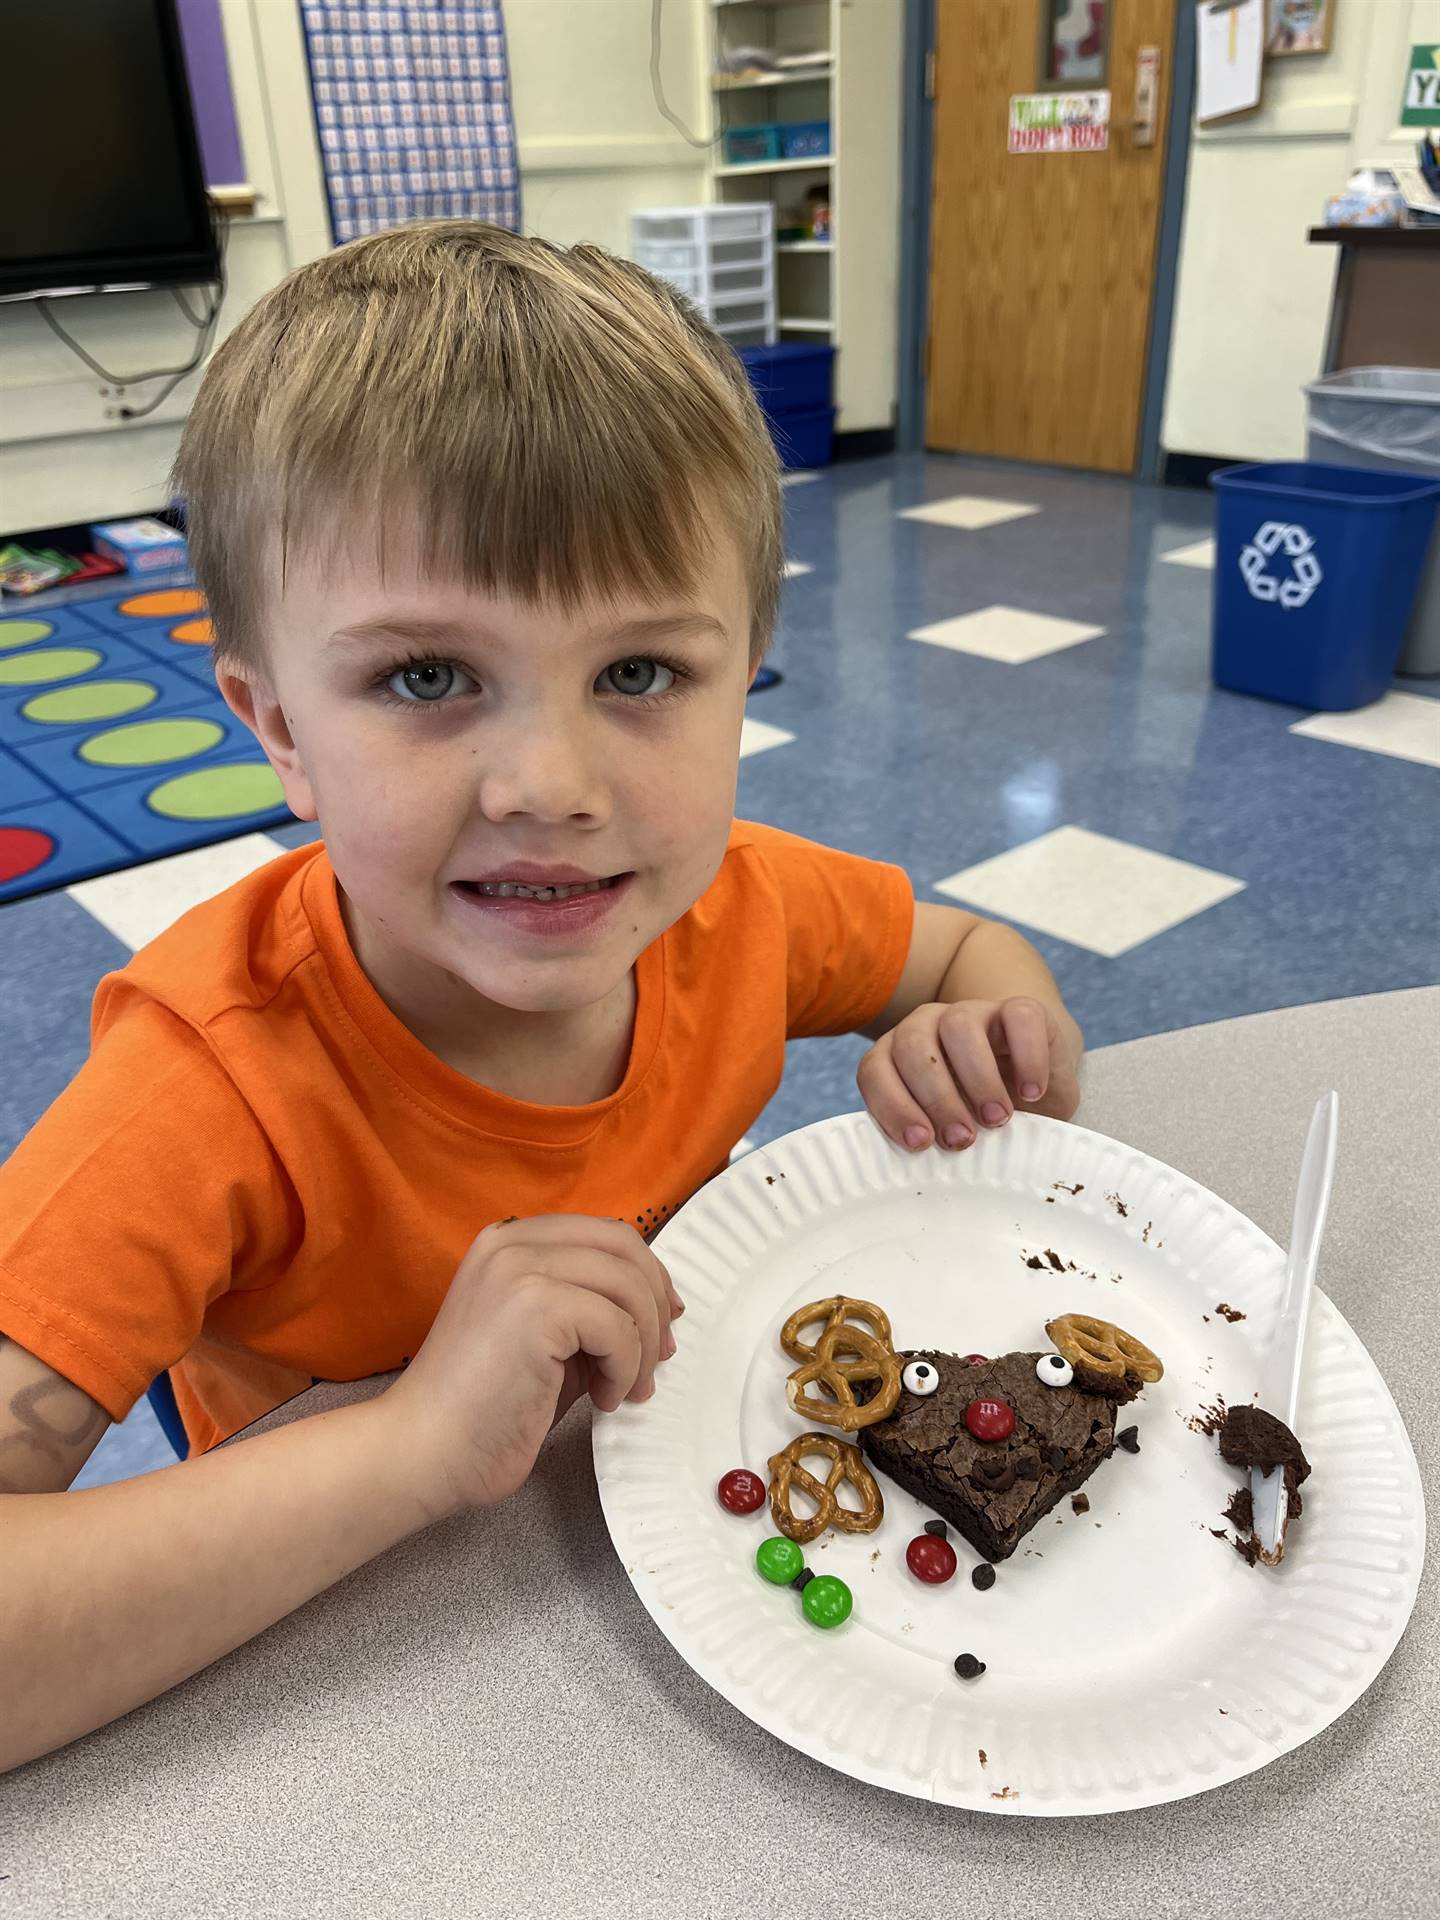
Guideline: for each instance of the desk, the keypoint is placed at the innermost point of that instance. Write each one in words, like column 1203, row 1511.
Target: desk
column 485, row 1721
column 1387, row 287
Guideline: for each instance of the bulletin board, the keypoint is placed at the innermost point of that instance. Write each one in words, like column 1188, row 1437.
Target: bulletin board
column 413, row 113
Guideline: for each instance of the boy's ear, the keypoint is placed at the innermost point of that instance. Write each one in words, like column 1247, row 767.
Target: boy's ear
column 256, row 704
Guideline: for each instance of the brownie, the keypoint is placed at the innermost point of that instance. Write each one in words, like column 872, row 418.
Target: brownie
column 1061, row 1435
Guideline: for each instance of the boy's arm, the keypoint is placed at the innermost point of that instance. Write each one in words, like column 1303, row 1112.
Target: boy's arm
column 48, row 1426
column 112, row 1595
column 956, row 955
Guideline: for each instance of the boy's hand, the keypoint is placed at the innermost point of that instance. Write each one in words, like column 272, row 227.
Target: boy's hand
column 539, row 1312
column 948, row 1069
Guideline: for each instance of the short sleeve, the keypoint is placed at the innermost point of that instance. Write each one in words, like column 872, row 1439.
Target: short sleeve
column 131, row 1206
column 848, row 926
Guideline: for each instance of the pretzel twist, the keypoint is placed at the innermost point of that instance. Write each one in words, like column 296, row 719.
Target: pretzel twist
column 1099, row 1347
column 846, row 1463
column 870, row 1358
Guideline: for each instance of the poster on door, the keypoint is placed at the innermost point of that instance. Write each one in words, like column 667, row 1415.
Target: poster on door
column 1059, row 122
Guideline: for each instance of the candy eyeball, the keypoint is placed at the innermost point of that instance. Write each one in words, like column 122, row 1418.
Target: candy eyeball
column 1054, row 1370
column 920, row 1377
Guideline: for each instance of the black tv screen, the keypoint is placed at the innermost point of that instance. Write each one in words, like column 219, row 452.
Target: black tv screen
column 100, row 180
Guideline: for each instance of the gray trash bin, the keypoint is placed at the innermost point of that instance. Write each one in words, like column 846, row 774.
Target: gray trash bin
column 1387, row 417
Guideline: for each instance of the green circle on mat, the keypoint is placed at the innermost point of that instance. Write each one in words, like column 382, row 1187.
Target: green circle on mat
column 98, row 700
column 19, row 633
column 48, row 663
column 150, row 743
column 218, row 793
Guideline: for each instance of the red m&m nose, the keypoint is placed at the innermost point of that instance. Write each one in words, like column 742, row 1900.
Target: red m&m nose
column 990, row 1419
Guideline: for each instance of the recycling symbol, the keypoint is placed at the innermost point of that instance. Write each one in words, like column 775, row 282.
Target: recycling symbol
column 1304, row 573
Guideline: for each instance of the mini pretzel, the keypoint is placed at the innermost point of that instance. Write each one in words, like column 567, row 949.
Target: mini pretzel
column 871, row 1358
column 1099, row 1347
column 834, row 1312
column 846, row 1463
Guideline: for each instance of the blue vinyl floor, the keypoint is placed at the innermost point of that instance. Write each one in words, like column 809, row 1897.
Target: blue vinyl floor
column 1034, row 758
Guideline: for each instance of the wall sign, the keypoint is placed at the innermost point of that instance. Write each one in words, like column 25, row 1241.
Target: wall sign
column 1421, row 106
column 1059, row 122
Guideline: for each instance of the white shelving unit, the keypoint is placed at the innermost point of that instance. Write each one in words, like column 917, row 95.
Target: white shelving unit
column 846, row 288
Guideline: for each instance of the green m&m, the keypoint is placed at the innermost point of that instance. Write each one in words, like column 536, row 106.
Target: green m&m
column 779, row 1560
column 827, row 1601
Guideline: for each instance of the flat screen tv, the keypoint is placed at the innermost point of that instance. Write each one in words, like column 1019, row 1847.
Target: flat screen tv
column 99, row 162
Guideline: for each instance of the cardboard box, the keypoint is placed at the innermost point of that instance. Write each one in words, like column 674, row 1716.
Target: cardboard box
column 140, row 546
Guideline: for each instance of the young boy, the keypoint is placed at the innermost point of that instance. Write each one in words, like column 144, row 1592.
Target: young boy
column 491, row 536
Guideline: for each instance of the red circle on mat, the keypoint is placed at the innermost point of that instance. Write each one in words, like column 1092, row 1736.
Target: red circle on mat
column 22, row 850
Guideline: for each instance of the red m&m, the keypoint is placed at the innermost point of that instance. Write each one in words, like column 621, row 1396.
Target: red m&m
column 990, row 1419
column 741, row 1491
column 977, row 1360
column 930, row 1558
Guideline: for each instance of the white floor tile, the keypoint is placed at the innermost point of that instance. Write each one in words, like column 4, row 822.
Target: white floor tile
column 797, row 479
column 794, row 568
column 1200, row 554
column 1006, row 633
column 758, row 736
column 1406, row 725
column 141, row 902
column 968, row 510
column 1098, row 893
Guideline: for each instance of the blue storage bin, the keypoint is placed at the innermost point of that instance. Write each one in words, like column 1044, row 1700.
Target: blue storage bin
column 790, row 377
column 805, row 139
column 803, row 439
column 747, row 145
column 1316, row 569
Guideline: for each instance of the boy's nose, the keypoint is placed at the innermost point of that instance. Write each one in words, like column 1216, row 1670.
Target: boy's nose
column 543, row 773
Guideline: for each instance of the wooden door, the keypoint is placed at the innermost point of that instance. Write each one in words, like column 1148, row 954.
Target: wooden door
column 1041, row 264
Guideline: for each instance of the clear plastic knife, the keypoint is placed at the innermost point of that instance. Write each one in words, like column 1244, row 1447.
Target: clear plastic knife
column 1280, row 1379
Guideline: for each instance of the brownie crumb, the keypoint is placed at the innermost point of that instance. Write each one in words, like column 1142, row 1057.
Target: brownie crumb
column 1049, row 1199
column 1241, row 1510
column 1056, row 1262
column 984, row 1757
column 1209, row 1419
column 769, row 1179
column 1227, row 1312
column 1060, row 1186
column 1079, row 1503
column 1219, row 1532
column 1034, row 1262
column 1119, row 1205
column 1247, row 1550
column 1129, row 1439
column 1006, row 1793
column 1251, row 1437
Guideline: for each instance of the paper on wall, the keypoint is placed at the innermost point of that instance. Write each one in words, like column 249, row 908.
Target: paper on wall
column 1229, row 50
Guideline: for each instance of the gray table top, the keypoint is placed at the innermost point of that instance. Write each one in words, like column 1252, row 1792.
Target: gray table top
column 485, row 1719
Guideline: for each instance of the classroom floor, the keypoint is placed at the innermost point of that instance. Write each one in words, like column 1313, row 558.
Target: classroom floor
column 996, row 675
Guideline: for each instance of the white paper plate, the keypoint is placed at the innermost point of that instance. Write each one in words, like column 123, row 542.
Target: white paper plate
column 1132, row 1657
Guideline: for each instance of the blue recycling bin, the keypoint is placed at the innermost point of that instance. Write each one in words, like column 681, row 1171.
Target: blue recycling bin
column 1316, row 570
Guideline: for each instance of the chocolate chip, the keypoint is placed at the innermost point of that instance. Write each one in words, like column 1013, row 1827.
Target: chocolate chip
column 992, row 1475
column 968, row 1667
column 802, row 1579
column 1058, row 1458
column 1027, row 1467
column 938, row 1528
column 1129, row 1439
column 982, row 1577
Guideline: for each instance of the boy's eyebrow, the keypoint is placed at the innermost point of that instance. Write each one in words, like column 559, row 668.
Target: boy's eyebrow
column 389, row 628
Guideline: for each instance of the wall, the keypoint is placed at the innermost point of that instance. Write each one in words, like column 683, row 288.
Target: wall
column 592, row 145
column 1253, row 296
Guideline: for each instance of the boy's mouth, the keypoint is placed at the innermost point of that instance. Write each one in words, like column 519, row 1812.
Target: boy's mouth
column 538, row 890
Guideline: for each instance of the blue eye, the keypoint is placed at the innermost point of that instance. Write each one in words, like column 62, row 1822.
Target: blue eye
column 638, row 677
column 423, row 682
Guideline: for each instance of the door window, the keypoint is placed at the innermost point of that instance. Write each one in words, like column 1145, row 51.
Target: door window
column 1073, row 50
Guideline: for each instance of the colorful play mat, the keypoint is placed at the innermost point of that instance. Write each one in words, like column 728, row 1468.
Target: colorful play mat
column 115, row 745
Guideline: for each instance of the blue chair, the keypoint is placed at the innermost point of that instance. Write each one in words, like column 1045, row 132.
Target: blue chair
column 161, row 1396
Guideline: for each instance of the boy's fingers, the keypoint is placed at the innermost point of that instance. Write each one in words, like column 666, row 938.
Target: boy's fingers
column 909, row 1089
column 967, row 1047
column 610, row 1340
column 608, row 1276
column 1025, row 1036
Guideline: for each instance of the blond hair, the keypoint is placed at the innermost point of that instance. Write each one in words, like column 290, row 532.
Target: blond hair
column 560, row 422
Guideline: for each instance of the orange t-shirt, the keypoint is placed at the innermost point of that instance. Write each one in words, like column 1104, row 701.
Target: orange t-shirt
column 261, row 1177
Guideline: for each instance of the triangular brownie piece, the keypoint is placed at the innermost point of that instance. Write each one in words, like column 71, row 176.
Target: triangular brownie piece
column 991, row 1491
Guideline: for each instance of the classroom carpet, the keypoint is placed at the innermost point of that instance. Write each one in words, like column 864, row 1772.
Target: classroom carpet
column 115, row 745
